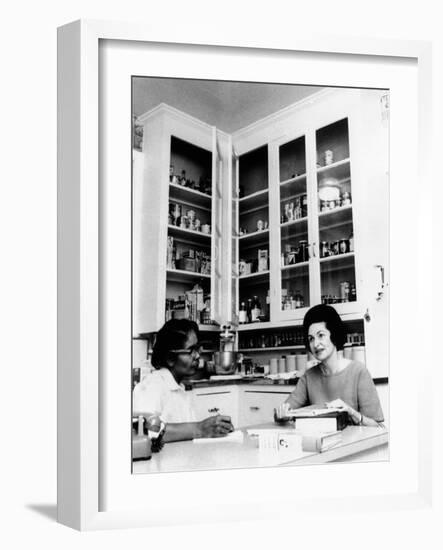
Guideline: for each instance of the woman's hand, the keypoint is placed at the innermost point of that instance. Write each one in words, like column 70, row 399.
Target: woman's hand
column 215, row 426
column 281, row 413
column 338, row 404
column 356, row 417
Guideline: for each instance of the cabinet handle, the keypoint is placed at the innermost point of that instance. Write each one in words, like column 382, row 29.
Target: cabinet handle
column 254, row 408
column 213, row 410
column 382, row 286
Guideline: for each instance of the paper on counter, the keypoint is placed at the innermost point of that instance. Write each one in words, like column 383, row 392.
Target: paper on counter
column 234, row 437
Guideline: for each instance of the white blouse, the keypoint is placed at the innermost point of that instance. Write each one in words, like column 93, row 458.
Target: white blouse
column 159, row 393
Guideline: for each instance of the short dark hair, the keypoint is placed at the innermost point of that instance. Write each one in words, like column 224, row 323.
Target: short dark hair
column 328, row 315
column 172, row 335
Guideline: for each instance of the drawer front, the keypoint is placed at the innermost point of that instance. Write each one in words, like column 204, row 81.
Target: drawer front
column 220, row 402
column 258, row 407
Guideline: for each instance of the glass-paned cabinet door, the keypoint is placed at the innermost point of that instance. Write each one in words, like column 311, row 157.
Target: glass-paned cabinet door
column 335, row 217
column 190, row 231
column 294, row 229
column 253, row 236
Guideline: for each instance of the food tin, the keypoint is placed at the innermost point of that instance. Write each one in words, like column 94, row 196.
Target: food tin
column 324, row 249
column 344, row 246
column 329, row 157
column 346, row 198
column 345, row 289
column 336, row 248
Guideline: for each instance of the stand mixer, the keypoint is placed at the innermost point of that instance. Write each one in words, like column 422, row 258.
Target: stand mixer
column 225, row 359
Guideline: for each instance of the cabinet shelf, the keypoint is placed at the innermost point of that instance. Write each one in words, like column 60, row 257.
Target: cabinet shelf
column 179, row 275
column 294, row 187
column 254, row 201
column 329, row 219
column 337, row 262
column 189, row 236
column 293, row 223
column 339, row 170
column 278, row 348
column 254, row 239
column 337, row 257
column 190, row 196
column 254, row 276
column 299, row 265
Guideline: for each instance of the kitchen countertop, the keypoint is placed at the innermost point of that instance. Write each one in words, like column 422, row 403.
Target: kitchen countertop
column 249, row 381
column 358, row 441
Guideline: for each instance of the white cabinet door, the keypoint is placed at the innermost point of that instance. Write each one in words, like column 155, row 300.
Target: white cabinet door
column 212, row 401
column 369, row 134
column 172, row 138
column 257, row 406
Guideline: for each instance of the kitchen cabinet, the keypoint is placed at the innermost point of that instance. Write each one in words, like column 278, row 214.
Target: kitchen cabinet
column 298, row 213
column 177, row 232
column 257, row 404
column 319, row 176
column 211, row 401
column 246, row 405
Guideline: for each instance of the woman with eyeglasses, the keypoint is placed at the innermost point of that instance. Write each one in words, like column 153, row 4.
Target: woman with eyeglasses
column 335, row 381
column 175, row 357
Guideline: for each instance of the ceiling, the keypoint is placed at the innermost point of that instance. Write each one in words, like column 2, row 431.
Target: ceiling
column 227, row 105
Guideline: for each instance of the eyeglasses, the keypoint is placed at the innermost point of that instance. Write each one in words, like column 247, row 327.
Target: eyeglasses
column 193, row 350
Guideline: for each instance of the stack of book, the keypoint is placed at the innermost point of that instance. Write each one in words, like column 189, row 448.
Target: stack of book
column 318, row 442
column 313, row 419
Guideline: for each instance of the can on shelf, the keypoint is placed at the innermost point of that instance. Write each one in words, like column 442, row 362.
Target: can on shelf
column 329, row 157
column 324, row 249
column 345, row 289
column 346, row 198
column 344, row 246
column 336, row 248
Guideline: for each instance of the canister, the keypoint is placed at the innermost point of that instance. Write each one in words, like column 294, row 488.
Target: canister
column 273, row 366
column 347, row 352
column 302, row 362
column 291, row 363
column 282, row 364
column 358, row 354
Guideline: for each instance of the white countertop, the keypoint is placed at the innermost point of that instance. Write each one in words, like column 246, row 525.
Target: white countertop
column 218, row 454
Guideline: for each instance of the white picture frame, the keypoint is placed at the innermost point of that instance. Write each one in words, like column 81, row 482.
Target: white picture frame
column 80, row 297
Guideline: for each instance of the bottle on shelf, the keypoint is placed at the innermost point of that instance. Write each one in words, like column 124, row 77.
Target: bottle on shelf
column 268, row 306
column 256, row 310
column 304, row 206
column 351, row 242
column 183, row 178
column 249, row 310
column 242, row 314
column 298, row 298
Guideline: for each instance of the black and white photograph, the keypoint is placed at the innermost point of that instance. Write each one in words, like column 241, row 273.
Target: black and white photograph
column 260, row 274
